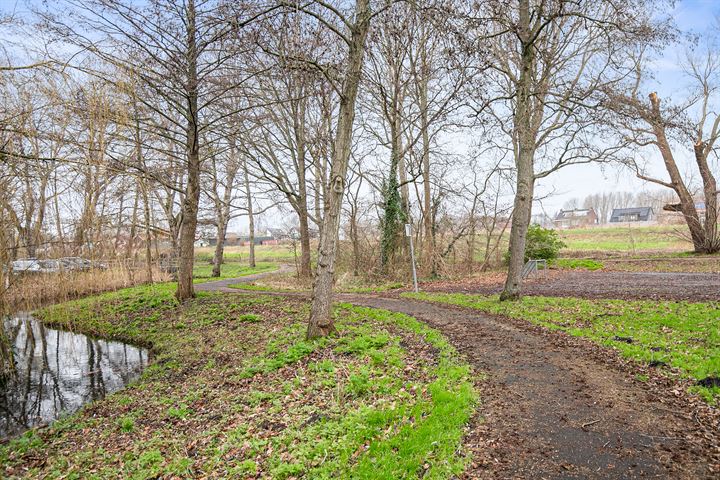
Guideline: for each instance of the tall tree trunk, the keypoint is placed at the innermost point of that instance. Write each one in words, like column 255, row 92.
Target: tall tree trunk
column 687, row 202
column 58, row 221
column 430, row 257
column 133, row 228
column 710, row 192
column 525, row 138
column 320, row 322
column 148, row 232
column 251, row 215
column 220, row 245
column 305, row 266
column 302, row 200
column 185, row 288
column 355, row 241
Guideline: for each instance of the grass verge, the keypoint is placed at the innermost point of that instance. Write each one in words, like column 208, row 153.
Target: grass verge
column 235, row 391
column 678, row 334
column 202, row 272
column 576, row 263
column 626, row 238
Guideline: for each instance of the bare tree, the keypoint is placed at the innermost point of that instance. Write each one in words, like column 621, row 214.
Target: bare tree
column 354, row 30
column 177, row 52
column 547, row 60
column 695, row 123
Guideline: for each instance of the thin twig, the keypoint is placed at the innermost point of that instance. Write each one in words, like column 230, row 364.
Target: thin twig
column 584, row 425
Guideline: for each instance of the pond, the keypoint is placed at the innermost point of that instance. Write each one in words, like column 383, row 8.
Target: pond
column 54, row 372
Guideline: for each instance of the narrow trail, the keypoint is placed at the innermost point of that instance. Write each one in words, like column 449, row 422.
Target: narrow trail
column 224, row 285
column 552, row 408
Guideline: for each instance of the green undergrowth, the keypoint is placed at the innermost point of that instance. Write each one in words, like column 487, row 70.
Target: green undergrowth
column 385, row 287
column 260, row 287
column 202, row 272
column 683, row 335
column 234, row 390
column 575, row 263
column 267, row 287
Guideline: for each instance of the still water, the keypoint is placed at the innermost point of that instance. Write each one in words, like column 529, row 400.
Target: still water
column 54, row 372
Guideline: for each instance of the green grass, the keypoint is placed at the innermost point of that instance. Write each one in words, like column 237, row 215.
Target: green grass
column 372, row 288
column 266, row 287
column 255, row 287
column 263, row 253
column 575, row 263
column 682, row 334
column 202, row 271
column 626, row 239
column 234, row 390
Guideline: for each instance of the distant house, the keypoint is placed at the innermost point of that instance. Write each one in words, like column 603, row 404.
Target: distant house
column 634, row 214
column 575, row 218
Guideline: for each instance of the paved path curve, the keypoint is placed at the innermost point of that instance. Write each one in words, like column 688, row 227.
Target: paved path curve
column 224, row 285
column 553, row 406
column 607, row 284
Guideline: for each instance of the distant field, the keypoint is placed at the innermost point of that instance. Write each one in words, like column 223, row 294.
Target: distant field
column 263, row 253
column 626, row 239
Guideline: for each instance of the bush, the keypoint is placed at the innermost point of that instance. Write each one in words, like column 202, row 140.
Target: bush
column 573, row 263
column 541, row 243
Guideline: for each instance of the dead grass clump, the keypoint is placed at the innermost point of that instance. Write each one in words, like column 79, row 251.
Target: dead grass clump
column 27, row 292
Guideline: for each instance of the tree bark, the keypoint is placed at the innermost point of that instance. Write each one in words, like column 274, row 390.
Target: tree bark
column 251, row 215
column 185, row 288
column 711, row 242
column 525, row 138
column 148, row 232
column 305, row 267
column 221, row 232
column 687, row 203
column 320, row 322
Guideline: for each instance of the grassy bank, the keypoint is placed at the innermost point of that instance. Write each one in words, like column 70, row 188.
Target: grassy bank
column 626, row 239
column 202, row 272
column 676, row 334
column 291, row 284
column 234, row 391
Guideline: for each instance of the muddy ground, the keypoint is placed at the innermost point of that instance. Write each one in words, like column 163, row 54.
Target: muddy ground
column 599, row 284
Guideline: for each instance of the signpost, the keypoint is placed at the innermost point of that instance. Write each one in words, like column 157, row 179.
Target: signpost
column 408, row 233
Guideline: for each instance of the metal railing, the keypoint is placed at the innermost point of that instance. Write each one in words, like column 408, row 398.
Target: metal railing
column 533, row 267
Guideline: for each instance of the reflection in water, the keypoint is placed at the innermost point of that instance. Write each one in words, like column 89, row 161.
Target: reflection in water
column 52, row 372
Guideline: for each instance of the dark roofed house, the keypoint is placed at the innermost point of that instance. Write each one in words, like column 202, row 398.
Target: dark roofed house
column 577, row 217
column 634, row 214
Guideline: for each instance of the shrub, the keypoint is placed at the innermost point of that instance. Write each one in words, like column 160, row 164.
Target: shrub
column 572, row 263
column 541, row 243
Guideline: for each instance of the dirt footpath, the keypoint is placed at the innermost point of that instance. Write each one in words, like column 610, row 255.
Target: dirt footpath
column 560, row 407
column 553, row 407
column 599, row 284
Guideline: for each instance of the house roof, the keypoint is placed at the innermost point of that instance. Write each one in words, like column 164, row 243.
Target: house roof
column 643, row 213
column 575, row 213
